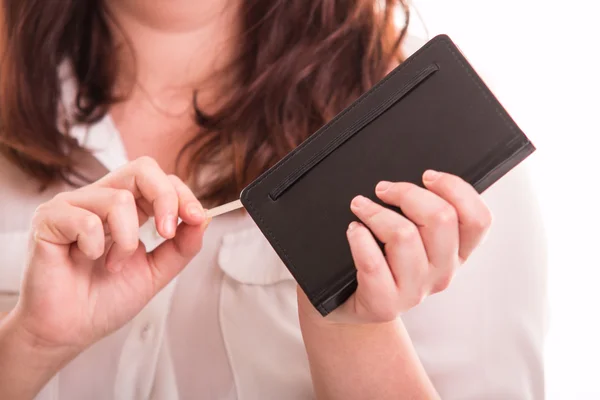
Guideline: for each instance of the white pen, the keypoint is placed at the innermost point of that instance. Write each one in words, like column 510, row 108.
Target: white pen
column 225, row 208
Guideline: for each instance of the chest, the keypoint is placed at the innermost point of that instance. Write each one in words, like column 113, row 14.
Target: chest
column 146, row 132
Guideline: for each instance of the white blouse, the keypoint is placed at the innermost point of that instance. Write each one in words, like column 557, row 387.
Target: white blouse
column 227, row 327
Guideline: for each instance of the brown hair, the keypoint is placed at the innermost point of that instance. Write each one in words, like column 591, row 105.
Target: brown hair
column 299, row 63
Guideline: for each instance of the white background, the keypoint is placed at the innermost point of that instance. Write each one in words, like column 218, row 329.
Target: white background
column 542, row 60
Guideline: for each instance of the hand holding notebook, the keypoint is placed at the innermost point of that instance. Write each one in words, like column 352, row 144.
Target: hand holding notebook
column 431, row 112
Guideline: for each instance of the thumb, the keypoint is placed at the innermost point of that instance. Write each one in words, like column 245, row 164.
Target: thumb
column 169, row 259
column 375, row 296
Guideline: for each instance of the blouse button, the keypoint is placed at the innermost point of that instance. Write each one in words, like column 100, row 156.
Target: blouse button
column 146, row 331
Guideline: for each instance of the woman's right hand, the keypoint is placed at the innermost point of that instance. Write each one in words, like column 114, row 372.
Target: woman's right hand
column 88, row 273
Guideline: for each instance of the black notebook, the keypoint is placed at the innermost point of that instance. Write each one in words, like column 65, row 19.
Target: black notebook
column 431, row 112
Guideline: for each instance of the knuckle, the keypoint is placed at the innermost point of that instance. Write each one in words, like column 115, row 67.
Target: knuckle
column 61, row 197
column 169, row 192
column 446, row 215
column 144, row 162
column 480, row 222
column 38, row 220
column 417, row 297
column 443, row 282
column 169, row 195
column 90, row 223
column 405, row 233
column 486, row 219
column 129, row 246
column 371, row 264
column 40, row 211
column 123, row 197
column 174, row 178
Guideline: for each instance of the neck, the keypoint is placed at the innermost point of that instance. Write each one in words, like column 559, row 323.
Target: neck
column 168, row 48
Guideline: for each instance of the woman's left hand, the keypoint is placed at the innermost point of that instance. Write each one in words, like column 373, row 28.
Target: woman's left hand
column 444, row 223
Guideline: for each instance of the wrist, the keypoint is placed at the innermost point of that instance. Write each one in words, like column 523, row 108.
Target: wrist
column 26, row 362
column 308, row 315
column 310, row 318
column 39, row 353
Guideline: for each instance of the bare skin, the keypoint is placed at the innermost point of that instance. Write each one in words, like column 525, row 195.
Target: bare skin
column 75, row 292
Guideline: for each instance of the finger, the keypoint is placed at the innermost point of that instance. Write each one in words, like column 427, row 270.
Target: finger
column 376, row 296
column 190, row 209
column 404, row 249
column 144, row 211
column 61, row 225
column 435, row 218
column 168, row 259
column 474, row 216
column 144, row 178
column 119, row 210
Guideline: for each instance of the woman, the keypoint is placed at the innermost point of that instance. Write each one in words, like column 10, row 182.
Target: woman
column 203, row 96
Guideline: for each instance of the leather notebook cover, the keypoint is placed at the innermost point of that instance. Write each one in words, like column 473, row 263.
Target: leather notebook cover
column 431, row 112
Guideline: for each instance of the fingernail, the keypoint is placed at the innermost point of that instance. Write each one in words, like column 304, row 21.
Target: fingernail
column 353, row 225
column 430, row 175
column 169, row 225
column 383, row 186
column 195, row 211
column 206, row 222
column 360, row 201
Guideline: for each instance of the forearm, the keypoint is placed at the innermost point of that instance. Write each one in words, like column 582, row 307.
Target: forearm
column 364, row 361
column 26, row 365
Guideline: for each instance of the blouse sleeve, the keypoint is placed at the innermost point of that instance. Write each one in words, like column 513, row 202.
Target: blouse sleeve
column 19, row 197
